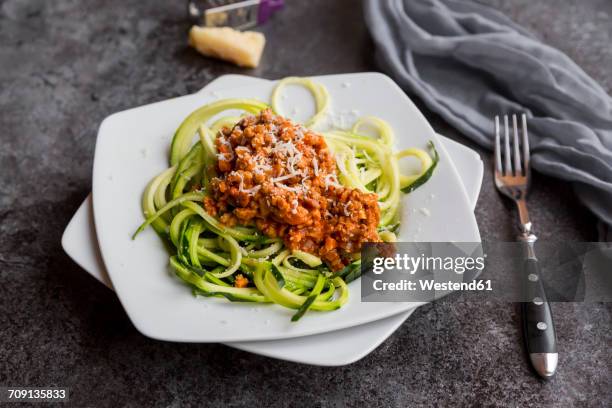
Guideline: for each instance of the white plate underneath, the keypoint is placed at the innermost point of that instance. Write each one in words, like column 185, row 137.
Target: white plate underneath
column 329, row 349
column 159, row 306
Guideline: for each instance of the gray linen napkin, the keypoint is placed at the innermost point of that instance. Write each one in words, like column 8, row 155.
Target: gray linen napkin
column 468, row 62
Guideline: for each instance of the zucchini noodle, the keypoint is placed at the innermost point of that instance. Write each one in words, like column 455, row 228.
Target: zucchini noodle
column 216, row 260
column 318, row 91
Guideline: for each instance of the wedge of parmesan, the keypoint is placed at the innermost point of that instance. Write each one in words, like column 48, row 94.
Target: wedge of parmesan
column 243, row 48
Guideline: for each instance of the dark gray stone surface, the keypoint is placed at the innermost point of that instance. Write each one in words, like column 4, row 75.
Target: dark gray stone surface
column 65, row 65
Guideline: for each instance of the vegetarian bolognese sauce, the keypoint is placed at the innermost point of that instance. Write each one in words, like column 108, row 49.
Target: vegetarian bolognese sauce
column 281, row 177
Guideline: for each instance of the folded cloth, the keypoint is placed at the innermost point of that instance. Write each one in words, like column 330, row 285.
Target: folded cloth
column 468, row 63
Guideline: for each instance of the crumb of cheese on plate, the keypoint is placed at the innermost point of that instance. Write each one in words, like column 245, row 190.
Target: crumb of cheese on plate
column 243, row 48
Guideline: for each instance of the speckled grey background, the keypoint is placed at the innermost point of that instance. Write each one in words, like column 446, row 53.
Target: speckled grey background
column 65, row 65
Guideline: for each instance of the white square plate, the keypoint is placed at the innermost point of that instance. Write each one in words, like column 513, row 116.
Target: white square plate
column 328, row 349
column 132, row 147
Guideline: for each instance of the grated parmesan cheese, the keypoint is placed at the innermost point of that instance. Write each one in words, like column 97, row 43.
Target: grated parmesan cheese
column 282, row 178
column 252, row 190
column 294, row 205
column 249, row 191
column 346, row 210
column 299, row 133
column 221, row 156
column 304, row 186
column 286, row 187
column 331, row 180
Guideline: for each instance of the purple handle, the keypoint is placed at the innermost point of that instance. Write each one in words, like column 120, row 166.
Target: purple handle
column 267, row 8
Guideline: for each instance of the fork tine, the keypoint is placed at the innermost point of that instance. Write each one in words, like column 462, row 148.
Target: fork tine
column 498, row 162
column 525, row 143
column 507, row 164
column 515, row 141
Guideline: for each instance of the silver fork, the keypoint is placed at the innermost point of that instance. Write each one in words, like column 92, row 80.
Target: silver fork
column 512, row 176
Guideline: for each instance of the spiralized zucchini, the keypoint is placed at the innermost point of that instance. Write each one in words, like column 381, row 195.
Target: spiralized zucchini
column 318, row 91
column 209, row 256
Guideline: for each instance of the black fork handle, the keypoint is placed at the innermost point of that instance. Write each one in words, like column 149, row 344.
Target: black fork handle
column 538, row 325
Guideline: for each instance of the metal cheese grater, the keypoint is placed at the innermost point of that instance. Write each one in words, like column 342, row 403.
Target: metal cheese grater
column 238, row 14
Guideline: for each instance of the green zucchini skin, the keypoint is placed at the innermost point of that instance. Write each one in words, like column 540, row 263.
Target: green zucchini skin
column 427, row 174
